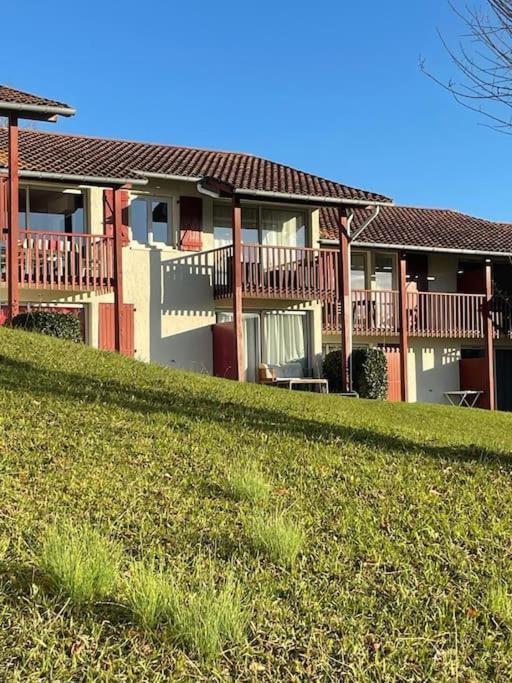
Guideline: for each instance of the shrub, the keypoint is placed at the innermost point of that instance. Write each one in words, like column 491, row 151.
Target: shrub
column 207, row 619
column 246, row 482
column 331, row 370
column 275, row 535
column 150, row 594
column 370, row 373
column 80, row 562
column 63, row 325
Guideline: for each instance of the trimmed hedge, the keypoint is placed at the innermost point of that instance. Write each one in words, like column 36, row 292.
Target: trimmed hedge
column 63, row 325
column 369, row 372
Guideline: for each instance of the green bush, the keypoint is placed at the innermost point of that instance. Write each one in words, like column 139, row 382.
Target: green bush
column 369, row 372
column 331, row 369
column 63, row 325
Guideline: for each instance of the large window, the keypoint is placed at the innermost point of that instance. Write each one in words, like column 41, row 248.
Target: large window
column 151, row 220
column 51, row 210
column 278, row 338
column 358, row 270
column 261, row 226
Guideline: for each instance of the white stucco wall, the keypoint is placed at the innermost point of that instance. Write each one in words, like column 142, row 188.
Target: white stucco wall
column 433, row 369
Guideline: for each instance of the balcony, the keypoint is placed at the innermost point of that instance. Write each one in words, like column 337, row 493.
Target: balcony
column 62, row 261
column 275, row 272
column 429, row 314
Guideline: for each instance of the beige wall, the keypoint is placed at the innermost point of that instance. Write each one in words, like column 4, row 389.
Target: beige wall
column 443, row 268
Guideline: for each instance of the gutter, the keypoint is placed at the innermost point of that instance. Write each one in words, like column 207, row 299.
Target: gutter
column 106, row 180
column 411, row 247
column 313, row 199
column 169, row 176
column 38, row 109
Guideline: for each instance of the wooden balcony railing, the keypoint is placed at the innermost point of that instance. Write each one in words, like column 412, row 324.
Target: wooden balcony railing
column 62, row 260
column 429, row 314
column 439, row 314
column 277, row 272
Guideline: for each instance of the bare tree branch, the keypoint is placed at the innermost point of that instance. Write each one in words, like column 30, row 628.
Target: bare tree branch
column 483, row 60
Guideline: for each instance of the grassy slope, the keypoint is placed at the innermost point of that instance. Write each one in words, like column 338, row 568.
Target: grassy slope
column 407, row 511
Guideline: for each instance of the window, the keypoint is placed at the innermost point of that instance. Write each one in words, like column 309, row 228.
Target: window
column 285, row 339
column 150, row 220
column 260, row 226
column 383, row 271
column 51, row 210
column 358, row 270
column 222, row 230
column 284, row 227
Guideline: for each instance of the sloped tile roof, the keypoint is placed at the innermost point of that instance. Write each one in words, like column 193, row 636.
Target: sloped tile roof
column 88, row 156
column 19, row 97
column 424, row 227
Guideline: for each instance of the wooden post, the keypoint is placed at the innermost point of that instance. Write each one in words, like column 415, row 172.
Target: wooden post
column 13, row 297
column 488, row 334
column 345, row 301
column 239, row 363
column 118, row 269
column 403, row 326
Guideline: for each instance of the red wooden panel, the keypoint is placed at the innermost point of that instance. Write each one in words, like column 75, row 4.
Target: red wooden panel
column 191, row 223
column 224, row 350
column 3, row 202
column 394, row 374
column 473, row 376
column 106, row 329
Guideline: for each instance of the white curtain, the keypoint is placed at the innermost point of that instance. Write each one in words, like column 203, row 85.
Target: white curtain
column 251, row 323
column 285, row 338
column 283, row 228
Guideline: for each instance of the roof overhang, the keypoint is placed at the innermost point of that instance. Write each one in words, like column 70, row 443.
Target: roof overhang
column 418, row 247
column 34, row 111
column 70, row 177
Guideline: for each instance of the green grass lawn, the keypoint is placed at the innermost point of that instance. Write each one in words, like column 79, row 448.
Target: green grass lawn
column 403, row 516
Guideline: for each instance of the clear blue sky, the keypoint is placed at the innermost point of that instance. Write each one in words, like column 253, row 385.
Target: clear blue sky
column 332, row 87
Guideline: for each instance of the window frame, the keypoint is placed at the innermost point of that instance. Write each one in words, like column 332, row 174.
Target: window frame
column 149, row 199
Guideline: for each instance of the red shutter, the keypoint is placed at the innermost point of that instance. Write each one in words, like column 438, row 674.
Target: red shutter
column 191, row 223
column 3, row 203
column 106, row 331
column 108, row 215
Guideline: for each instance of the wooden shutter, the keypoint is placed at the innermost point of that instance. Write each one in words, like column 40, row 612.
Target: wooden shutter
column 191, row 223
column 108, row 215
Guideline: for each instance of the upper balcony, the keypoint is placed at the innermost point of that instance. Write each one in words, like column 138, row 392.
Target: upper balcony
column 277, row 272
column 62, row 261
column 429, row 314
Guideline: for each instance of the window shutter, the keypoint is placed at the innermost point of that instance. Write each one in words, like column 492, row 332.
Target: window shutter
column 191, row 223
column 108, row 215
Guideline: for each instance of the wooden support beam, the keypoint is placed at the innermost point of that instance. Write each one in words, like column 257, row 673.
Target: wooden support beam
column 403, row 327
column 488, row 335
column 118, row 268
column 239, row 361
column 13, row 297
column 345, row 301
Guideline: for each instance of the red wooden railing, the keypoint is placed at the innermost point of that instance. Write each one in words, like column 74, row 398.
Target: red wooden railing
column 374, row 311
column 440, row 314
column 429, row 314
column 62, row 260
column 277, row 272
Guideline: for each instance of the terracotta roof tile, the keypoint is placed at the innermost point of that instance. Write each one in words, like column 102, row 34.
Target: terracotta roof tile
column 424, row 227
column 13, row 96
column 88, row 156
